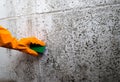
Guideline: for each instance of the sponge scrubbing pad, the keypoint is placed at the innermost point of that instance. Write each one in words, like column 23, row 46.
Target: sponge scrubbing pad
column 38, row 48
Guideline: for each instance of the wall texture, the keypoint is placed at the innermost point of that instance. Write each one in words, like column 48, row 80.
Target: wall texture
column 83, row 40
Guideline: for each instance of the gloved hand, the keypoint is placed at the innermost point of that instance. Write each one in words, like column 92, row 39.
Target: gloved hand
column 24, row 45
column 8, row 41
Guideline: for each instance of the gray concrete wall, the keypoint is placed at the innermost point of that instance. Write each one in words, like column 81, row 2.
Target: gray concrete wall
column 83, row 40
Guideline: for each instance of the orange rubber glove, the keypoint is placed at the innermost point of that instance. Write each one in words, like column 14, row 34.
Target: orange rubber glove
column 8, row 41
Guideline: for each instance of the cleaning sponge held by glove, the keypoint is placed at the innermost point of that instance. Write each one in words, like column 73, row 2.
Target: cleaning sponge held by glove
column 26, row 45
column 30, row 44
column 39, row 49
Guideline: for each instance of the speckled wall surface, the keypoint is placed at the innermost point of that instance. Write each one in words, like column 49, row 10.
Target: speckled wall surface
column 83, row 40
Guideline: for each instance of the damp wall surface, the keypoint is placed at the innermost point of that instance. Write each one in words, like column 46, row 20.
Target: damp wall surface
column 82, row 36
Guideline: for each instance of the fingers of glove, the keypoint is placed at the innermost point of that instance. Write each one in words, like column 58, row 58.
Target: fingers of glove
column 30, row 51
column 32, row 40
column 36, row 41
column 24, row 41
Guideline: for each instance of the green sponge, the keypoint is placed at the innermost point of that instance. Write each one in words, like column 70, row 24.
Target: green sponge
column 37, row 48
